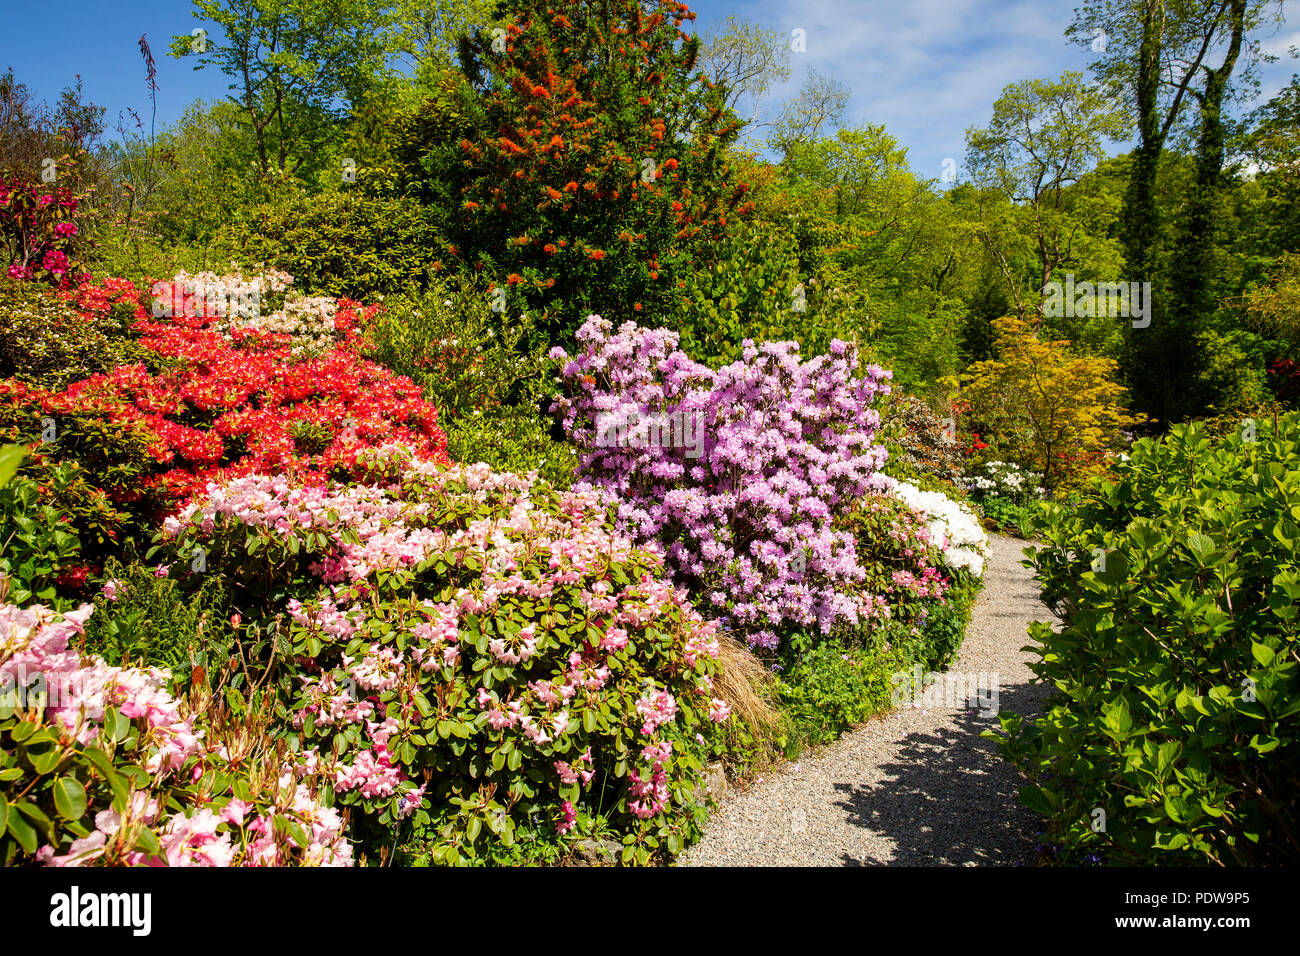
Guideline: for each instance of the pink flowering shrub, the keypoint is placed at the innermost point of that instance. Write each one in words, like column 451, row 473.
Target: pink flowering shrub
column 102, row 765
column 474, row 651
column 918, row 595
column 38, row 231
column 738, row 474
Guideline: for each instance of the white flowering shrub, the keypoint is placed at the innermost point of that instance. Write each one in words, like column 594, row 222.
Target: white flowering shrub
column 953, row 527
column 258, row 303
column 308, row 320
column 1003, row 479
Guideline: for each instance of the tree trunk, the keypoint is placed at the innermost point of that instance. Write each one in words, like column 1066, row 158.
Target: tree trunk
column 1193, row 272
column 1141, row 227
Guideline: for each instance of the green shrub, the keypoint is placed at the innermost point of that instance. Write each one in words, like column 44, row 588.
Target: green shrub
column 139, row 257
column 517, row 440
column 86, row 463
column 36, row 545
column 47, row 342
column 1007, row 515
column 922, row 447
column 341, row 243
column 146, row 620
column 828, row 687
column 1177, row 703
column 748, row 293
column 482, row 372
column 937, row 638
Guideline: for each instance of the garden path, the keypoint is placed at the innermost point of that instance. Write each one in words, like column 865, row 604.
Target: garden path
column 918, row 786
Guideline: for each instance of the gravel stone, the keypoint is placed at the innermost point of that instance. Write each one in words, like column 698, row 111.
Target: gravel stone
column 918, row 786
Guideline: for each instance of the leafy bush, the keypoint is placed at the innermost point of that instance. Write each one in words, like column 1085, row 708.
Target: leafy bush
column 828, row 687
column 473, row 650
column 514, row 439
column 1177, row 695
column 343, row 244
column 465, row 357
column 749, row 293
column 1045, row 407
column 1007, row 515
column 46, row 341
column 103, row 765
column 922, row 447
column 149, row 619
column 37, row 547
column 583, row 166
column 478, row 368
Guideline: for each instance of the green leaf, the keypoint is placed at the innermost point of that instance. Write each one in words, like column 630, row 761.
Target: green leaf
column 1116, row 721
column 1035, row 799
column 69, row 798
column 23, row 832
column 1262, row 653
column 11, row 456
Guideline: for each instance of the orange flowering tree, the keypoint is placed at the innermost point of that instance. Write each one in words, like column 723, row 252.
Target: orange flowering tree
column 1046, row 407
column 579, row 158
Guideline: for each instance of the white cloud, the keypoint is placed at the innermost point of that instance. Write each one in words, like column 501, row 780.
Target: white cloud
column 927, row 69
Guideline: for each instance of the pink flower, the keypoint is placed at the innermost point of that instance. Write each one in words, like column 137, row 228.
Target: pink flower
column 235, row 811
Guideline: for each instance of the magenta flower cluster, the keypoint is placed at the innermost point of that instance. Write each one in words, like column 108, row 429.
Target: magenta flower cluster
column 745, row 513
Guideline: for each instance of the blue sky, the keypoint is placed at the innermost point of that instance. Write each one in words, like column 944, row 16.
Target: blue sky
column 927, row 69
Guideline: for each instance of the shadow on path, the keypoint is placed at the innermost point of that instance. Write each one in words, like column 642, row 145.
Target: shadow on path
column 949, row 798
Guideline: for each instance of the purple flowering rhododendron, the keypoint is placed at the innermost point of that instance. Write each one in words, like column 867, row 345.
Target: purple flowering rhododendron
column 737, row 474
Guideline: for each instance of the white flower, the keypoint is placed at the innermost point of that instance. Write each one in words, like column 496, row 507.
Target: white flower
column 952, row 526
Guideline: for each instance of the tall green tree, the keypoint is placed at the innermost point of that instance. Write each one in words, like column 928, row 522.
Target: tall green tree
column 1043, row 137
column 578, row 160
column 746, row 60
column 1163, row 56
column 1273, row 146
column 295, row 66
column 821, row 100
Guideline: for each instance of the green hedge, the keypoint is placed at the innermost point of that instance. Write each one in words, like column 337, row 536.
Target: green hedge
column 1171, row 735
column 342, row 244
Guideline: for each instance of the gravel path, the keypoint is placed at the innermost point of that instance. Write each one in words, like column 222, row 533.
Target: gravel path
column 917, row 786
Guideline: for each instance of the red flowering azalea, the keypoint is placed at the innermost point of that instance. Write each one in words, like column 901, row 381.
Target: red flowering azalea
column 234, row 402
